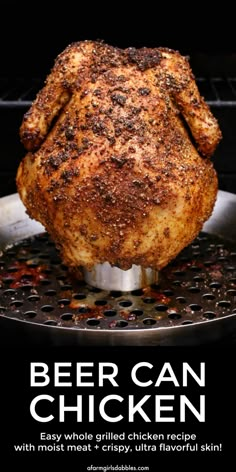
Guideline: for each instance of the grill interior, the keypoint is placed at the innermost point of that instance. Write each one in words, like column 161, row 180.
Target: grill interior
column 200, row 285
column 218, row 91
column 18, row 92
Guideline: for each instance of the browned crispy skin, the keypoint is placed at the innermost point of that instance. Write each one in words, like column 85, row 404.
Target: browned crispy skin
column 112, row 171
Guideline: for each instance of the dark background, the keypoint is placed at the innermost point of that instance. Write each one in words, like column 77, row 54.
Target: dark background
column 31, row 37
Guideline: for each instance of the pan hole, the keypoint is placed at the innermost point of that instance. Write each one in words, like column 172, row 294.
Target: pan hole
column 230, row 268
column 198, row 278
column 121, row 324
column 179, row 273
column 61, row 277
column 7, row 280
column 125, row 303
column 195, row 268
column 177, row 283
column 67, row 316
column 50, row 323
column 63, row 302
column 137, row 293
column 187, row 322
column 2, row 309
column 202, row 238
column 208, row 263
column 161, row 307
column 195, row 307
column 33, row 298
column 109, row 313
column 66, row 287
column 27, row 277
column 25, row 287
column 231, row 293
column 216, row 284
column 101, row 302
column 174, row 316
column 149, row 300
column 137, row 312
column 47, row 308
column 149, row 321
column 181, row 299
column 9, row 292
column 185, row 258
column 32, row 265
column 84, row 309
column 168, row 293
column 11, row 253
column 95, row 289
column 209, row 315
column 16, row 303
column 35, row 250
column 224, row 303
column 79, row 296
column 12, row 269
column 194, row 289
column 50, row 293
column 115, row 294
column 93, row 322
column 45, row 281
column 25, row 243
column 210, row 249
column 209, row 296
column 43, row 256
column 30, row 314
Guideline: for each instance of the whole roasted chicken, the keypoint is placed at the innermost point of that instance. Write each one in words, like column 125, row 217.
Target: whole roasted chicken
column 117, row 167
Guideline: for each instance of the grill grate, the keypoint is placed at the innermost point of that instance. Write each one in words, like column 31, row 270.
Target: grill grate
column 217, row 91
column 199, row 285
column 18, row 92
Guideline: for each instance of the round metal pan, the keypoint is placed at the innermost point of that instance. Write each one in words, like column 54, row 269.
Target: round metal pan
column 15, row 225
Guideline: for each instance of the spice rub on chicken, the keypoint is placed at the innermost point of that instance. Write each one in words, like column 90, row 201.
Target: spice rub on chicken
column 117, row 167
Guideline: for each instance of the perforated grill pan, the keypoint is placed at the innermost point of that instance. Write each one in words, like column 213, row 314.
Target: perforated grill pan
column 41, row 303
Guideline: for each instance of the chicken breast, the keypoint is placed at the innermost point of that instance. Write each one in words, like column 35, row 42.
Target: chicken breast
column 118, row 164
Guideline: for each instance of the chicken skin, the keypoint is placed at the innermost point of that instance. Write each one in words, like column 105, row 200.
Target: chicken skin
column 118, row 164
